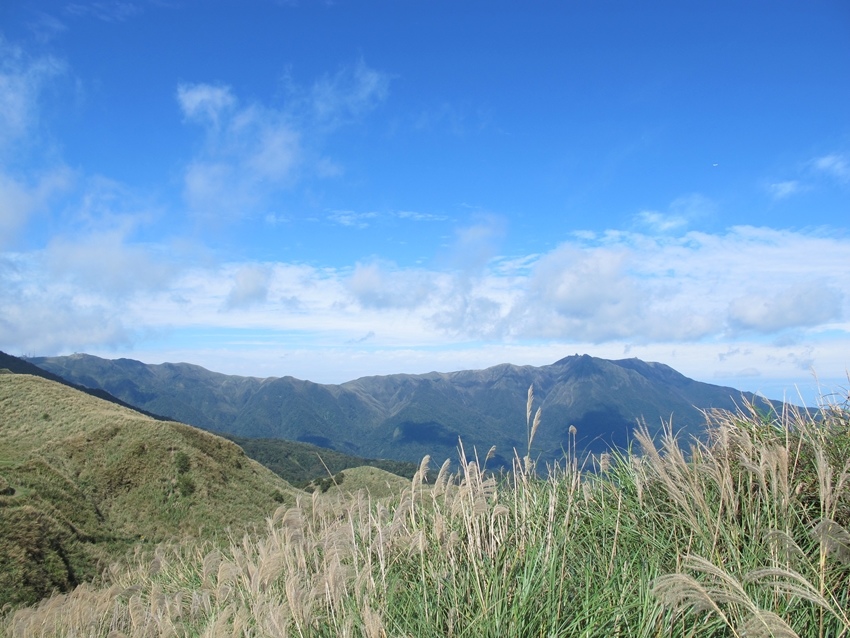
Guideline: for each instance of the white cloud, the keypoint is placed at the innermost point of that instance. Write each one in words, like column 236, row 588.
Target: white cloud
column 618, row 286
column 420, row 217
column 348, row 94
column 680, row 213
column 218, row 190
column 206, row 103
column 19, row 201
column 46, row 27
column 699, row 286
column 475, row 245
column 583, row 295
column 40, row 314
column 362, row 220
column 469, row 313
column 108, row 204
column 253, row 151
column 28, row 181
column 250, row 286
column 833, row 166
column 836, row 165
column 351, row 218
column 35, row 325
column 22, row 81
column 795, row 306
column 377, row 285
column 105, row 263
column 659, row 222
column 781, row 190
column 276, row 152
column 250, row 152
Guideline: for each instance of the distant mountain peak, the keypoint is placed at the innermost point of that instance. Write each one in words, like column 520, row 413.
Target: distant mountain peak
column 406, row 416
column 571, row 359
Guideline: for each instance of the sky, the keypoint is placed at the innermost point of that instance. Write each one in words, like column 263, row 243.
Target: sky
column 331, row 190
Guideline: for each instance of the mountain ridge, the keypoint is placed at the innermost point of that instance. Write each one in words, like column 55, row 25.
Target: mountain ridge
column 405, row 416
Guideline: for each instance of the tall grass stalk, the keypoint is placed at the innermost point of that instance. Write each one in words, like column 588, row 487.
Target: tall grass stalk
column 744, row 533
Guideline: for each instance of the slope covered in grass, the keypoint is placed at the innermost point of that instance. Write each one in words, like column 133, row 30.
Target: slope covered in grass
column 82, row 480
column 746, row 534
column 377, row 483
column 19, row 366
column 300, row 463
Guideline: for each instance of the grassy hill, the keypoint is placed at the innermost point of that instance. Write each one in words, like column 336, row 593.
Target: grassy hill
column 20, row 366
column 378, row 483
column 746, row 533
column 303, row 463
column 82, row 480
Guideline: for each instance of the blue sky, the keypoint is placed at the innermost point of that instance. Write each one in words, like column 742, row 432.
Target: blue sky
column 336, row 189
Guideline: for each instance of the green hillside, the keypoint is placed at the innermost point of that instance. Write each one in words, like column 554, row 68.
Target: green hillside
column 20, row 366
column 746, row 534
column 378, row 483
column 301, row 463
column 82, row 480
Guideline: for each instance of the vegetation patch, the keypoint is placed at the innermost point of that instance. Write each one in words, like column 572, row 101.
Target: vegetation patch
column 744, row 534
column 80, row 488
column 303, row 464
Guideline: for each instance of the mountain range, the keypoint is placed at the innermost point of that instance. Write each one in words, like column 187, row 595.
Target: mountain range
column 406, row 416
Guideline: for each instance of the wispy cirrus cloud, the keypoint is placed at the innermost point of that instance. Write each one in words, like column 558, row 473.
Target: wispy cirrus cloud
column 420, row 217
column 681, row 212
column 362, row 220
column 114, row 11
column 350, row 93
column 781, row 190
column 352, row 219
column 20, row 200
column 250, row 152
column 254, row 150
column 835, row 165
column 205, row 103
column 29, row 177
column 23, row 80
column 813, row 173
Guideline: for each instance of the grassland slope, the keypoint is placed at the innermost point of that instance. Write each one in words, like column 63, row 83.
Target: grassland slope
column 377, row 483
column 82, row 480
column 745, row 534
column 303, row 463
